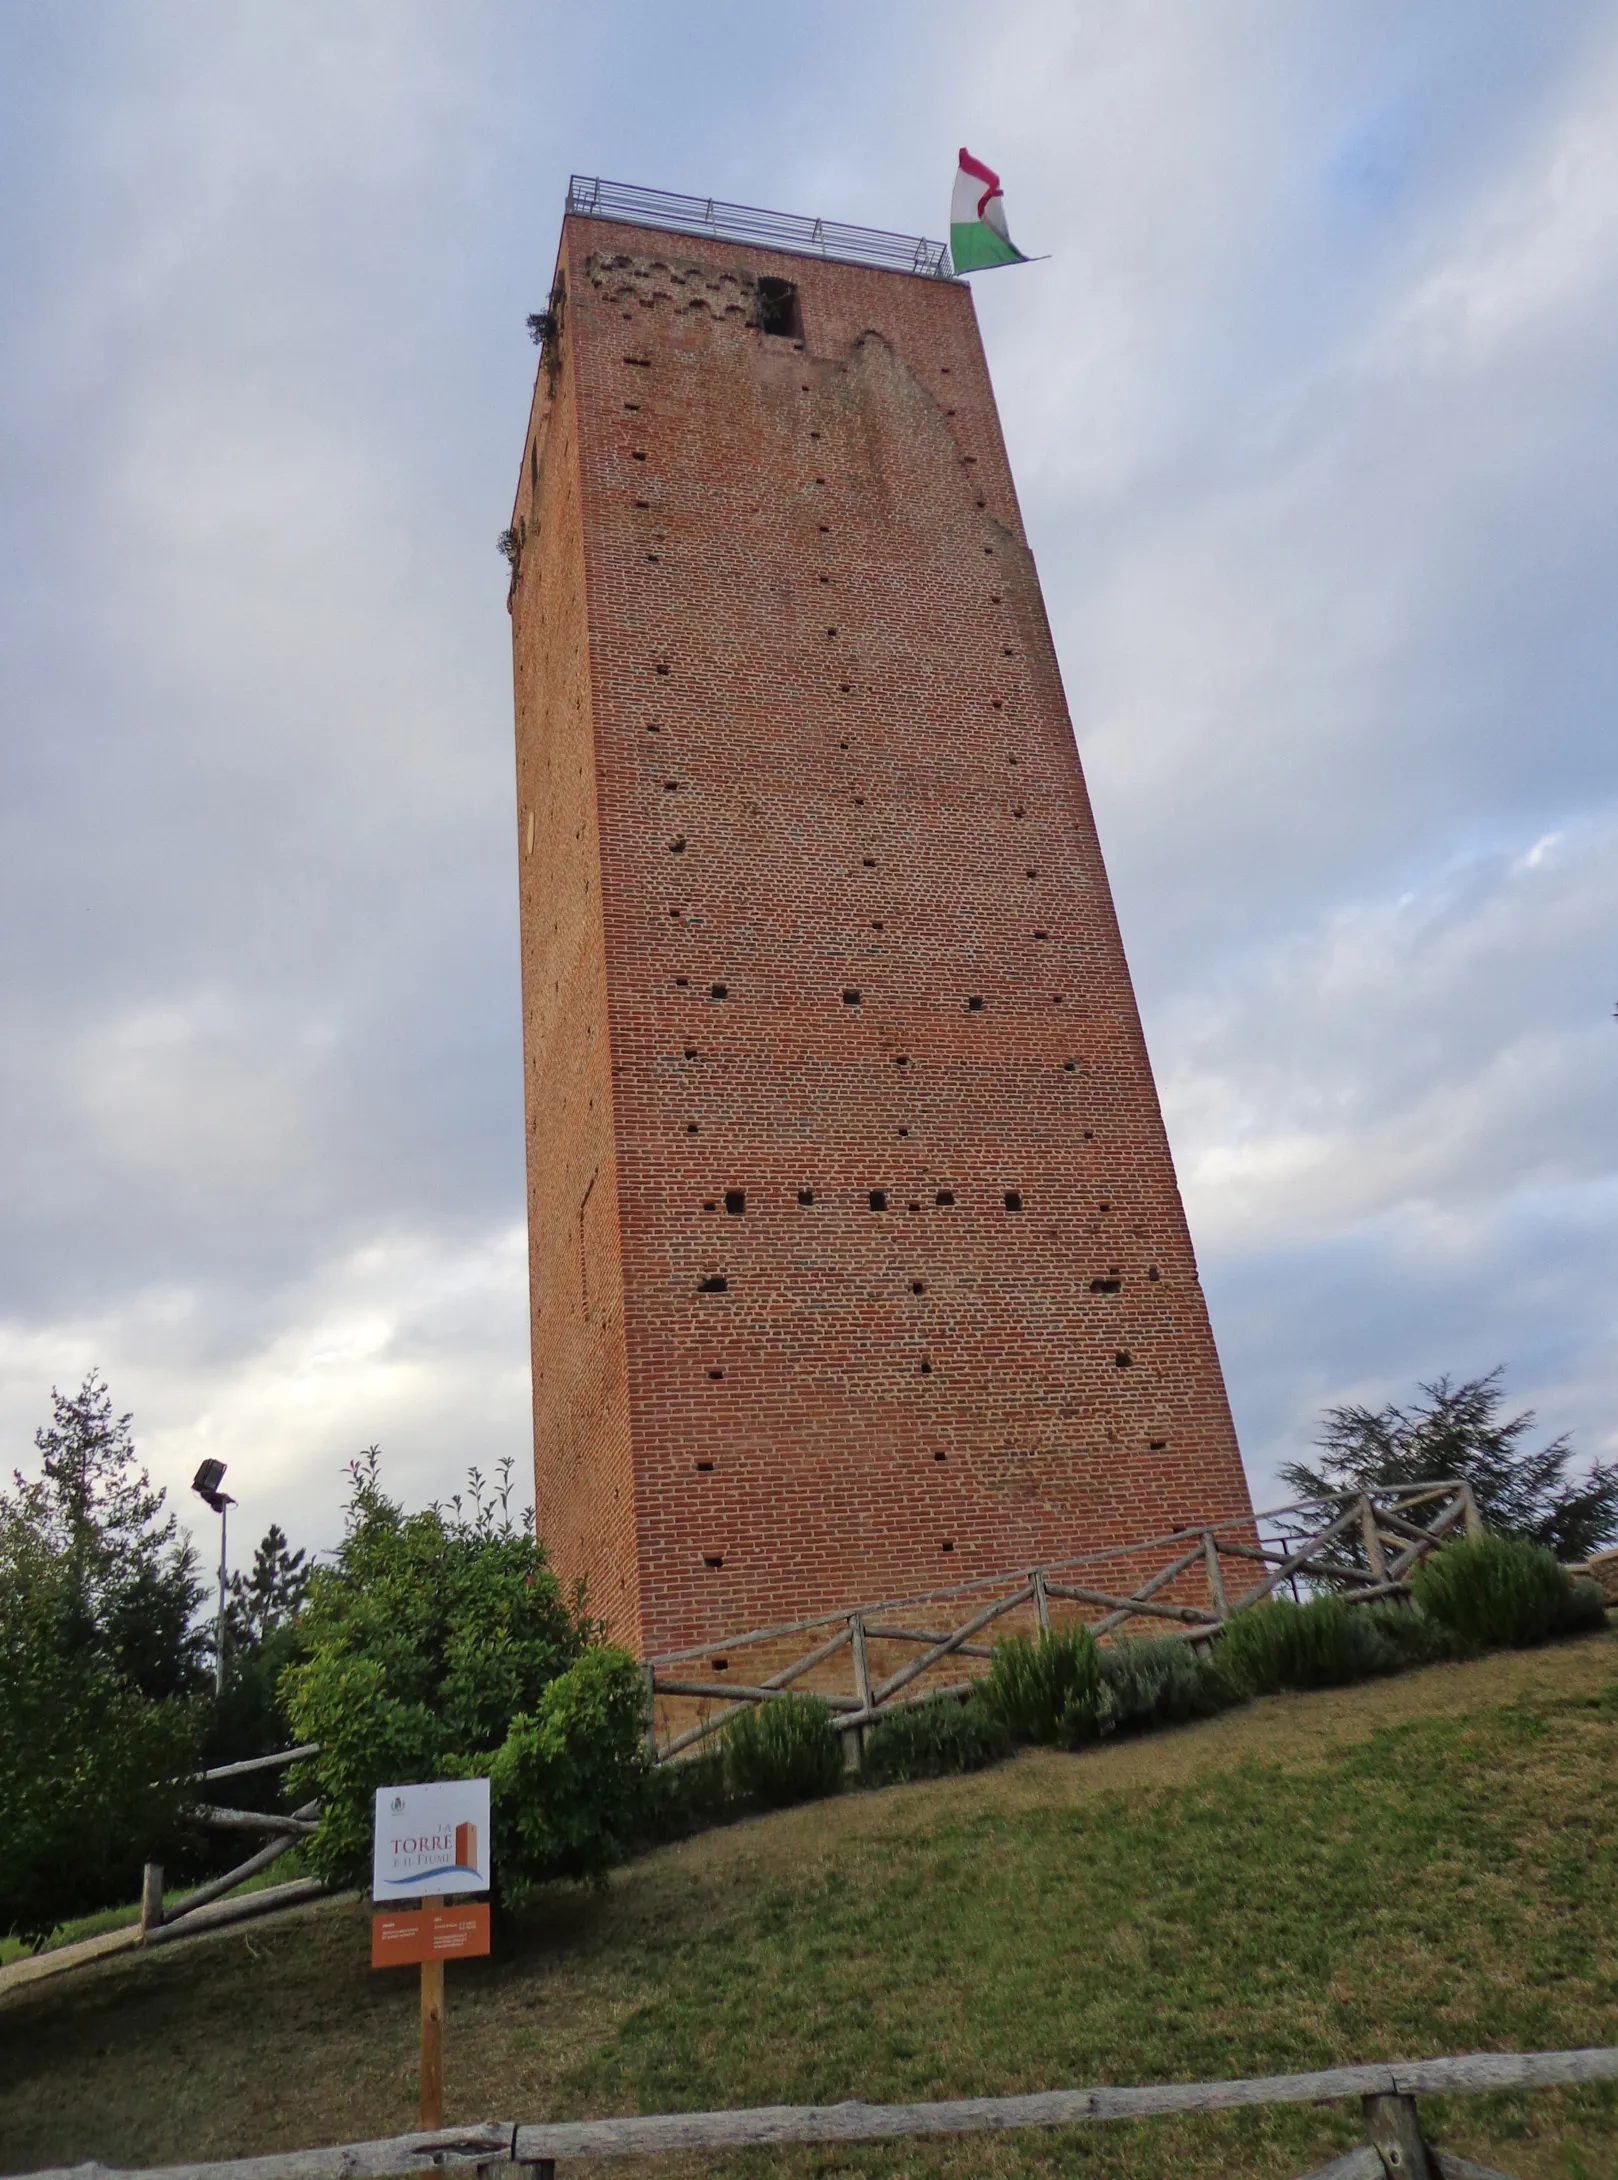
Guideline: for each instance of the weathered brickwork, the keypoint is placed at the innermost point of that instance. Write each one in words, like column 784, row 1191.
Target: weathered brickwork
column 858, row 1259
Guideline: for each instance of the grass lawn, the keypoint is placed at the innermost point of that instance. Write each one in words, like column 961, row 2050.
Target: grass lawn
column 1411, row 1867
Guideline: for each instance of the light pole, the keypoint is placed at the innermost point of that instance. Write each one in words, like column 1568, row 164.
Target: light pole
column 206, row 1484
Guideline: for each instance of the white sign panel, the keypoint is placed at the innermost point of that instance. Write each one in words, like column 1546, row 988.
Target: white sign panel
column 431, row 1839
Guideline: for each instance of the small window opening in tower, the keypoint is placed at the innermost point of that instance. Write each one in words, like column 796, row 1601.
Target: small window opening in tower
column 1013, row 1200
column 778, row 309
column 533, row 463
column 851, row 998
column 945, row 1196
column 948, row 1545
column 713, row 1559
column 715, row 1283
column 806, row 1196
column 735, row 1201
column 716, row 1375
column 1121, row 1360
column 974, row 1005
column 704, row 1468
column 878, row 1199
column 719, row 991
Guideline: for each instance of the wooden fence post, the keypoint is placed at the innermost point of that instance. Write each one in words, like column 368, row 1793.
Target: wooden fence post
column 1216, row 1576
column 649, row 1675
column 151, row 1899
column 1394, row 2132
column 1376, row 1558
column 854, row 1738
column 1474, row 1520
column 1042, row 1609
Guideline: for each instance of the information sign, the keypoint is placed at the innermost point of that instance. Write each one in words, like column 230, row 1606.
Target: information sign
column 398, row 1941
column 431, row 1840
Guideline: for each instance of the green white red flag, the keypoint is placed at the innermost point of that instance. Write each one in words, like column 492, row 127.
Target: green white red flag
column 977, row 219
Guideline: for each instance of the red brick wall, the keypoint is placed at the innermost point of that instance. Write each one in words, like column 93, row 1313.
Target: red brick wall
column 831, row 756
column 584, row 1480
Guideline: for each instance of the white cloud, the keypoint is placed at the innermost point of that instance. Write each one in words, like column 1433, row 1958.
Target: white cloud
column 1311, row 416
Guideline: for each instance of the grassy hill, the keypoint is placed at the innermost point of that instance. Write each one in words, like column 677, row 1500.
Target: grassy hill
column 1414, row 1866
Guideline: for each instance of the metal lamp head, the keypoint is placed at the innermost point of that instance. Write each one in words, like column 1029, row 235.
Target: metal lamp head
column 206, row 1484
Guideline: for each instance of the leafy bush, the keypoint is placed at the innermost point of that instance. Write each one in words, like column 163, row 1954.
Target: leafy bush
column 562, row 1793
column 1159, row 1683
column 925, row 1740
column 1412, row 1636
column 1585, row 1609
column 784, row 1751
column 678, row 1799
column 94, row 1773
column 440, row 1647
column 1498, row 1592
column 1046, row 1691
column 1319, row 1645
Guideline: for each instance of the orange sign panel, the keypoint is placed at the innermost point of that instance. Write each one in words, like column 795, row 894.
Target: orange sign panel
column 430, row 1934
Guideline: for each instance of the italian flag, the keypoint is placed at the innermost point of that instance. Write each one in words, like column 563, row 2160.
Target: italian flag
column 977, row 219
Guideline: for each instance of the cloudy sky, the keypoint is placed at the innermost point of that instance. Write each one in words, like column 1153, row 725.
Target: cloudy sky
column 1313, row 415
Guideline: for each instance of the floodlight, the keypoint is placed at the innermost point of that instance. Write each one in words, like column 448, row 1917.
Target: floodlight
column 206, row 1484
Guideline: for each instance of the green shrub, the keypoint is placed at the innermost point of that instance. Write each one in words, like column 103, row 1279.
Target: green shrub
column 1319, row 1645
column 1046, row 1691
column 928, row 1739
column 441, row 1647
column 1159, row 1683
column 562, row 1784
column 1413, row 1637
column 678, row 1799
column 1585, row 1608
column 784, row 1751
column 1498, row 1592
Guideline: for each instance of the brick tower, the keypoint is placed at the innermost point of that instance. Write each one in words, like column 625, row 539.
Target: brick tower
column 858, row 1263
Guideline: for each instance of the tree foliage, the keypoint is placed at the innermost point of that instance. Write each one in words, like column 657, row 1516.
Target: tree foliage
column 440, row 1646
column 100, row 1670
column 132, row 1579
column 1458, row 1430
column 262, row 1639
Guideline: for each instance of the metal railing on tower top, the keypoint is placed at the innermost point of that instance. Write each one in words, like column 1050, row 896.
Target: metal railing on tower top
column 590, row 197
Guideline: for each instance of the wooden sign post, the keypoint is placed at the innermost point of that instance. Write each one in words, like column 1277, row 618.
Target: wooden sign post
column 438, row 1832
column 430, row 2075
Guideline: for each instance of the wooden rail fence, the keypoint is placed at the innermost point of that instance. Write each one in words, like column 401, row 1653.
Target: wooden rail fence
column 158, row 1922
column 1394, row 2147
column 1360, row 1545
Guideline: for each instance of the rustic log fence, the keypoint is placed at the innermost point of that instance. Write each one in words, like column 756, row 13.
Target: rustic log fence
column 158, row 1922
column 1394, row 2148
column 1360, row 1545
